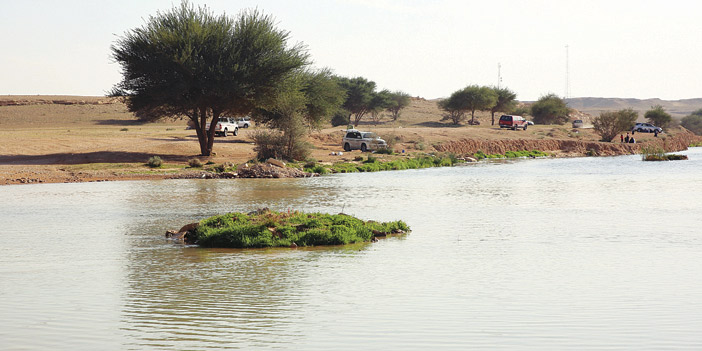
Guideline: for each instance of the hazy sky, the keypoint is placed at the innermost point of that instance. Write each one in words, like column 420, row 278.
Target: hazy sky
column 638, row 49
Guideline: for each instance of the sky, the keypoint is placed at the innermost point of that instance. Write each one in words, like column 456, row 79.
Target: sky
column 613, row 48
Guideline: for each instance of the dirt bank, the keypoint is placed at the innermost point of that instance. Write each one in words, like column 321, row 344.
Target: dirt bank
column 677, row 142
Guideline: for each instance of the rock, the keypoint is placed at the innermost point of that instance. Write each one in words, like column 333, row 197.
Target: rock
column 293, row 246
column 189, row 227
column 275, row 162
column 377, row 233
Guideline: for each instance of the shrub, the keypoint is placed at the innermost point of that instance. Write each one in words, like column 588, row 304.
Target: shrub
column 385, row 151
column 609, row 124
column 550, row 109
column 194, row 163
column 693, row 122
column 154, row 162
column 268, row 145
column 341, row 118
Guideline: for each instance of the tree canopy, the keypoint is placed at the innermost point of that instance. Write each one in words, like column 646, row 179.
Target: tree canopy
column 693, row 122
column 550, row 109
column 398, row 101
column 609, row 124
column 479, row 98
column 470, row 98
column 189, row 62
column 657, row 116
column 506, row 101
column 359, row 94
column 455, row 107
column 305, row 100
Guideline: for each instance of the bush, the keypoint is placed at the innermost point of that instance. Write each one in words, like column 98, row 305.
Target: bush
column 268, row 145
column 693, row 122
column 341, row 118
column 385, row 151
column 550, row 109
column 274, row 145
column 154, row 162
column 195, row 163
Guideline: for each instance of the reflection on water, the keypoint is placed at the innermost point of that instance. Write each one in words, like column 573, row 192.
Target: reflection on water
column 589, row 253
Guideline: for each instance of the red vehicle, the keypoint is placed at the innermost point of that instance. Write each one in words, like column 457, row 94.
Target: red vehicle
column 513, row 122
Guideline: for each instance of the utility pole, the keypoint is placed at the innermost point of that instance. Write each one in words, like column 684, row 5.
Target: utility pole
column 499, row 75
column 567, row 75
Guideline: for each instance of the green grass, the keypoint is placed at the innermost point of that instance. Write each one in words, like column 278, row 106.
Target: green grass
column 282, row 229
column 511, row 154
column 374, row 164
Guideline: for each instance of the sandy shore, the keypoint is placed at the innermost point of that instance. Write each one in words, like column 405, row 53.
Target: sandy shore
column 50, row 139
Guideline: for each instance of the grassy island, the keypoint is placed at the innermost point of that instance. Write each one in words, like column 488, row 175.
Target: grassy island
column 265, row 228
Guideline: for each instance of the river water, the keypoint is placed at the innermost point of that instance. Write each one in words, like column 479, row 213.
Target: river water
column 582, row 253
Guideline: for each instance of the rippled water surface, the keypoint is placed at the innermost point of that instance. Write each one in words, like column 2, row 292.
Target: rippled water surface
column 587, row 253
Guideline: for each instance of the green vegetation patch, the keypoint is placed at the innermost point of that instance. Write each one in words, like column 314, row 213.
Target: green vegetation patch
column 656, row 153
column 511, row 154
column 374, row 164
column 265, row 228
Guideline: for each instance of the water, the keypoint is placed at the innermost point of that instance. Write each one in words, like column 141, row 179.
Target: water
column 586, row 253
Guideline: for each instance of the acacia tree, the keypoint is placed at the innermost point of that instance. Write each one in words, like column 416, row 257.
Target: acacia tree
column 188, row 62
column 359, row 93
column 478, row 98
column 657, row 116
column 609, row 124
column 398, row 101
column 378, row 104
column 506, row 101
column 305, row 100
column 550, row 109
column 455, row 107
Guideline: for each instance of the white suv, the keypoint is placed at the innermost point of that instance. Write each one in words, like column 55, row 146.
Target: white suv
column 364, row 141
column 646, row 128
column 243, row 122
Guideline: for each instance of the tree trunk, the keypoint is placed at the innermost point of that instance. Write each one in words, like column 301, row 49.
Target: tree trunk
column 493, row 117
column 200, row 130
column 211, row 131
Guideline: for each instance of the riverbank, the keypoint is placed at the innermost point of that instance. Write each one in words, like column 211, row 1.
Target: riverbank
column 62, row 139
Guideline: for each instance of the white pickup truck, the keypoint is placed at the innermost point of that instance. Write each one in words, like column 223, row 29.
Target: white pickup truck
column 224, row 126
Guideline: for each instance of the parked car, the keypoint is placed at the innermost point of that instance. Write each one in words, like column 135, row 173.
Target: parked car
column 578, row 123
column 243, row 122
column 513, row 122
column 364, row 141
column 646, row 128
column 225, row 125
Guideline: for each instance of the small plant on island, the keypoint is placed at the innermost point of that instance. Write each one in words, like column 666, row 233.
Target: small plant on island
column 656, row 153
column 266, row 228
